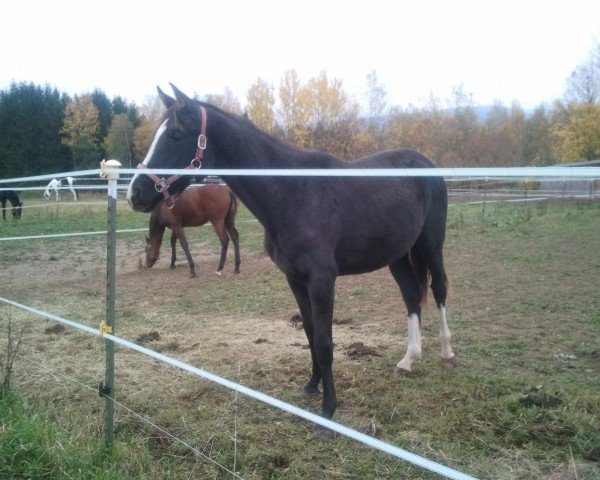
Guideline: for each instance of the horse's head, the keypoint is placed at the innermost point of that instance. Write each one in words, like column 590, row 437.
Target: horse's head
column 16, row 210
column 175, row 145
column 150, row 258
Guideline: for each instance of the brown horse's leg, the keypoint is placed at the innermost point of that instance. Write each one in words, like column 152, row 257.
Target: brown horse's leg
column 235, row 238
column 173, row 245
column 186, row 249
column 219, row 227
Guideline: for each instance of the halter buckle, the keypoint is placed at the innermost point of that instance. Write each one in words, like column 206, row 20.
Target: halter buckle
column 202, row 141
column 161, row 185
column 170, row 202
column 196, row 163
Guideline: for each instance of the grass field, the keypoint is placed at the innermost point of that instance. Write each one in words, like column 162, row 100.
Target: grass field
column 524, row 310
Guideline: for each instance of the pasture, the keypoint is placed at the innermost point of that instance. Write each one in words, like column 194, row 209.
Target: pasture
column 524, row 311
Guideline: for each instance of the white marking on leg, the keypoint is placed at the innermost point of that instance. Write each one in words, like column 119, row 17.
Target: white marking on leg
column 445, row 335
column 413, row 351
column 161, row 129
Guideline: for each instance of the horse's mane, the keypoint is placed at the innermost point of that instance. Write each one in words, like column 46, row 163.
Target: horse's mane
column 311, row 158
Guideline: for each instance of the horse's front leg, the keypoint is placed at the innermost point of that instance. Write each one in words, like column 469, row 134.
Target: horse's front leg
column 173, row 245
column 300, row 292
column 321, row 291
column 186, row 249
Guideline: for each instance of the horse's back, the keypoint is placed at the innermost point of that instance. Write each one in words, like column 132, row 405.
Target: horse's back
column 199, row 204
column 382, row 218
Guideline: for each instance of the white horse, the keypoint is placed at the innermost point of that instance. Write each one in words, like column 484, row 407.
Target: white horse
column 56, row 184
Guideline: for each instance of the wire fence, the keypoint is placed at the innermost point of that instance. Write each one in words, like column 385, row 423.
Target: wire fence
column 564, row 174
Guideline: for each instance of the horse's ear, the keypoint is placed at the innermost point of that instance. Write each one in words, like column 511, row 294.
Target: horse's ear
column 182, row 98
column 165, row 99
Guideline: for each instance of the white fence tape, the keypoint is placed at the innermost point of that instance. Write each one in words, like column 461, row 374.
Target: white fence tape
column 78, row 234
column 567, row 172
column 483, row 173
column 336, row 427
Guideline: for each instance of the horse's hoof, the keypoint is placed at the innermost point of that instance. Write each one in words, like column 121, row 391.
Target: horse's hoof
column 310, row 394
column 218, row 272
column 449, row 362
column 236, row 271
column 323, row 433
column 401, row 371
column 193, row 275
column 172, row 267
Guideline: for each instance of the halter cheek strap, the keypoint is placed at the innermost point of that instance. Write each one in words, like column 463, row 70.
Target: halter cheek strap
column 162, row 184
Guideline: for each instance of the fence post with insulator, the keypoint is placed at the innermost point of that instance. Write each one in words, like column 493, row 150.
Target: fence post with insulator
column 110, row 170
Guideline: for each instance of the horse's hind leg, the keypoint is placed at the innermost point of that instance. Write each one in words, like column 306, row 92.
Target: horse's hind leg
column 186, row 249
column 235, row 238
column 173, row 245
column 409, row 284
column 439, row 287
column 224, row 239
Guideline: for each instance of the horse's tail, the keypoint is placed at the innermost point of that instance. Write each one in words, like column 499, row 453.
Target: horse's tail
column 233, row 206
column 421, row 271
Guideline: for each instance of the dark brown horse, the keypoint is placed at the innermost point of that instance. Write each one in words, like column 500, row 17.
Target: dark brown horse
column 12, row 197
column 195, row 206
column 316, row 228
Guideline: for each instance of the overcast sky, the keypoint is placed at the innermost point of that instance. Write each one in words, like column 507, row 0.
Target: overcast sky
column 500, row 50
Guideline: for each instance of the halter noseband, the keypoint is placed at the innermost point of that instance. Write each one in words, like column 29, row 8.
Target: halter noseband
column 162, row 184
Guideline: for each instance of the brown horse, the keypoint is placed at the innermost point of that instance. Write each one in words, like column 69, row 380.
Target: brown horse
column 193, row 208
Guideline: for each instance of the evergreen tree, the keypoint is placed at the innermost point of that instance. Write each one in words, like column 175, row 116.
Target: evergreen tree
column 30, row 120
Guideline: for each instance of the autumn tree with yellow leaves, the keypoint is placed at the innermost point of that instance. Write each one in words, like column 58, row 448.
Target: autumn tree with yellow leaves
column 80, row 130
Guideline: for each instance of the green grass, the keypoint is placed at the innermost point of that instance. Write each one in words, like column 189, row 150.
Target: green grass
column 523, row 403
column 31, row 447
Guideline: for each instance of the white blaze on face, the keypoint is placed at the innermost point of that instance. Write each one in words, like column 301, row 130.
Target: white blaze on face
column 157, row 135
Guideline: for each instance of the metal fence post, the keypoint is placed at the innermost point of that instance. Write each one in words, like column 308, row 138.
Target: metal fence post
column 108, row 389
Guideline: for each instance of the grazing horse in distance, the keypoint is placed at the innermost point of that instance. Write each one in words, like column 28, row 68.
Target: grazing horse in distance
column 55, row 184
column 13, row 198
column 316, row 228
column 193, row 208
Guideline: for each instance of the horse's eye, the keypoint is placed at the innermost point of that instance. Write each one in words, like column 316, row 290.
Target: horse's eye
column 176, row 135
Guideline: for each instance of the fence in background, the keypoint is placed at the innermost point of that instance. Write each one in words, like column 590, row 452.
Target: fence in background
column 564, row 173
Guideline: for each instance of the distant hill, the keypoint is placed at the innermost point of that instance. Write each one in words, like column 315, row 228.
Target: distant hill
column 481, row 112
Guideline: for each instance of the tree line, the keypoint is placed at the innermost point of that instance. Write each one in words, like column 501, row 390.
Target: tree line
column 45, row 131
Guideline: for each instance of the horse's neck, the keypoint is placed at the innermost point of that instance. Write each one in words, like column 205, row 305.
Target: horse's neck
column 13, row 198
column 244, row 147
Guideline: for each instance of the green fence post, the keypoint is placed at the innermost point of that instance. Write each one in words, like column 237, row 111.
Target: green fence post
column 108, row 390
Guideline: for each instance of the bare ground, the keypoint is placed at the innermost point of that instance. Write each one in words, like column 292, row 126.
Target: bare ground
column 526, row 312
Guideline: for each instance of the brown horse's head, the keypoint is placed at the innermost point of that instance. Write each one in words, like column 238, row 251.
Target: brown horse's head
column 150, row 258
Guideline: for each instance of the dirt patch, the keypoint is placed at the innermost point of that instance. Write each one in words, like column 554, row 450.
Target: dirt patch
column 358, row 350
column 148, row 337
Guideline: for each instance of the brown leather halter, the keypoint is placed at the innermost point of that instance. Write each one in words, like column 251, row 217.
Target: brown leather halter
column 162, row 184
